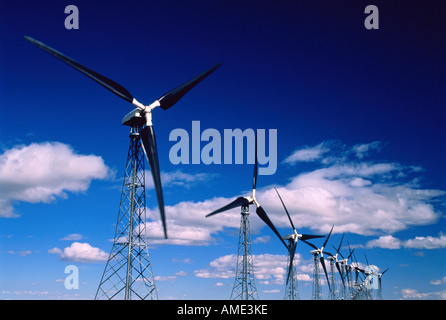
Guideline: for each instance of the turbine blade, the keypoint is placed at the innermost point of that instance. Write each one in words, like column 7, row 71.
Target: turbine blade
column 310, row 244
column 340, row 273
column 239, row 202
column 340, row 254
column 354, row 258
column 366, row 259
column 340, row 243
column 292, row 253
column 328, row 237
column 262, row 214
column 351, row 252
column 103, row 81
column 309, row 236
column 289, row 217
column 327, row 253
column 325, row 271
column 361, row 270
column 347, row 272
column 384, row 271
column 149, row 145
column 170, row 98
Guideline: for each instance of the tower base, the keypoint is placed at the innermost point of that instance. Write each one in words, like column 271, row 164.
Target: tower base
column 128, row 272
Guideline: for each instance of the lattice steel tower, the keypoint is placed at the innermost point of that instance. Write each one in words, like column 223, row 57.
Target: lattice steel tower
column 317, row 293
column 244, row 285
column 291, row 290
column 128, row 273
column 332, row 288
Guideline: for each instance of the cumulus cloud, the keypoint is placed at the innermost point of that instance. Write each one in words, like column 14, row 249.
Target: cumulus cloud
column 73, row 237
column 363, row 149
column 80, row 252
column 187, row 225
column 178, row 178
column 268, row 268
column 409, row 293
column 386, row 242
column 428, row 242
column 438, row 282
column 357, row 196
column 40, row 172
column 344, row 189
column 22, row 253
column 307, row 154
column 330, row 151
column 390, row 242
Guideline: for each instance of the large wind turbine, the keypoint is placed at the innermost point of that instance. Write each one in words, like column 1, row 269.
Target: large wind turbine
column 128, row 272
column 292, row 244
column 345, row 268
column 373, row 274
column 141, row 115
column 246, row 201
column 334, row 260
column 244, row 286
column 319, row 252
column 380, row 274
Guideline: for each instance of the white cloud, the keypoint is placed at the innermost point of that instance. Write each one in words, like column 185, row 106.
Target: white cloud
column 268, row 268
column 390, row 242
column 438, row 281
column 80, row 252
column 73, row 237
column 355, row 195
column 40, row 172
column 362, row 150
column 386, row 242
column 271, row 291
column 362, row 197
column 165, row 278
column 222, row 268
column 178, row 179
column 263, row 239
column 408, row 293
column 359, row 182
column 330, row 151
column 22, row 253
column 187, row 225
column 307, row 154
column 428, row 242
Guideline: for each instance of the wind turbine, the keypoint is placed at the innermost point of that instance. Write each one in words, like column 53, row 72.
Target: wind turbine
column 380, row 274
column 319, row 252
column 244, row 286
column 334, row 260
column 362, row 290
column 130, row 244
column 373, row 278
column 292, row 244
column 344, row 266
column 357, row 269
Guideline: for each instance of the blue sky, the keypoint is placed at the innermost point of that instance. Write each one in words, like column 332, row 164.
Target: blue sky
column 360, row 119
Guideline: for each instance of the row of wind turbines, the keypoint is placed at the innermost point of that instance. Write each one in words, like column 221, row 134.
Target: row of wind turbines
column 356, row 283
column 128, row 272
